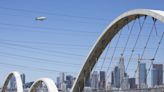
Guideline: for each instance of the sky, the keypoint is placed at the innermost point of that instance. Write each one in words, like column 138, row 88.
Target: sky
column 60, row 43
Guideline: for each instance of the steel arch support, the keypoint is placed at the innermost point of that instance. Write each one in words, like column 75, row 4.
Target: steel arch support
column 48, row 82
column 18, row 81
column 105, row 38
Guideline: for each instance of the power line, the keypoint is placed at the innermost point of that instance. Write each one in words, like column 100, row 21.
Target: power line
column 56, row 19
column 54, row 14
column 49, row 28
column 35, row 68
column 42, row 50
column 54, row 44
column 41, row 60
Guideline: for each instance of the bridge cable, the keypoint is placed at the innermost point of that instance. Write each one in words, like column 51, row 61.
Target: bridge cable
column 122, row 54
column 104, row 59
column 143, row 52
column 152, row 60
column 128, row 38
column 136, row 41
column 119, row 34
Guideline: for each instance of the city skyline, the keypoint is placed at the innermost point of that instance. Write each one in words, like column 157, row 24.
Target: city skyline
column 62, row 42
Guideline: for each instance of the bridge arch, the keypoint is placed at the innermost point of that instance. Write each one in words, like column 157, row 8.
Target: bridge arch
column 48, row 82
column 105, row 38
column 18, row 81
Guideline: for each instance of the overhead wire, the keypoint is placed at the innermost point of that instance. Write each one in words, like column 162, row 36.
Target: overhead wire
column 49, row 28
column 38, row 59
column 34, row 68
column 54, row 14
column 42, row 50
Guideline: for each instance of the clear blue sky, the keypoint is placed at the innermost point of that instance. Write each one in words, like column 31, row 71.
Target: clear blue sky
column 62, row 41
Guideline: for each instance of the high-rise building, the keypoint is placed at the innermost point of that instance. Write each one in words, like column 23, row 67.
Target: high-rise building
column 142, row 75
column 102, row 81
column 116, row 77
column 69, row 81
column 94, row 80
column 122, row 68
column 12, row 83
column 62, row 77
column 124, row 84
column 132, row 83
column 119, row 78
column 123, row 76
column 157, row 74
column 58, row 83
column 23, row 77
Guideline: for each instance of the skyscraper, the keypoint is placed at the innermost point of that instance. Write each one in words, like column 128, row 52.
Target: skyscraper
column 12, row 83
column 62, row 77
column 119, row 78
column 142, row 75
column 23, row 77
column 69, row 81
column 157, row 74
column 102, row 80
column 122, row 68
column 132, row 83
column 116, row 77
column 58, row 83
column 94, row 80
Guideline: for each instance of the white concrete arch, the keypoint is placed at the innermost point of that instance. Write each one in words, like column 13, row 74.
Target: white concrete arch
column 48, row 82
column 18, row 81
column 105, row 38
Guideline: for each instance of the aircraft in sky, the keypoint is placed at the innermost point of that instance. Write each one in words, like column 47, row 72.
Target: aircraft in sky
column 41, row 18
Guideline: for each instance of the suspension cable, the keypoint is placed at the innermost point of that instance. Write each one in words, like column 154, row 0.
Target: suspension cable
column 143, row 52
column 105, row 57
column 152, row 60
column 119, row 34
column 128, row 38
column 135, row 44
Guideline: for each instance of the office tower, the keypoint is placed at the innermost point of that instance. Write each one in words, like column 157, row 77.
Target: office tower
column 94, row 80
column 142, row 75
column 23, row 77
column 123, row 76
column 102, row 81
column 58, row 82
column 124, row 84
column 157, row 74
column 62, row 77
column 12, row 83
column 132, row 83
column 116, row 77
column 122, row 68
column 69, row 81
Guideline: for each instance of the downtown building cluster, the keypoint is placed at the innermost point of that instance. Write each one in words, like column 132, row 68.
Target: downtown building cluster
column 64, row 82
column 121, row 80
